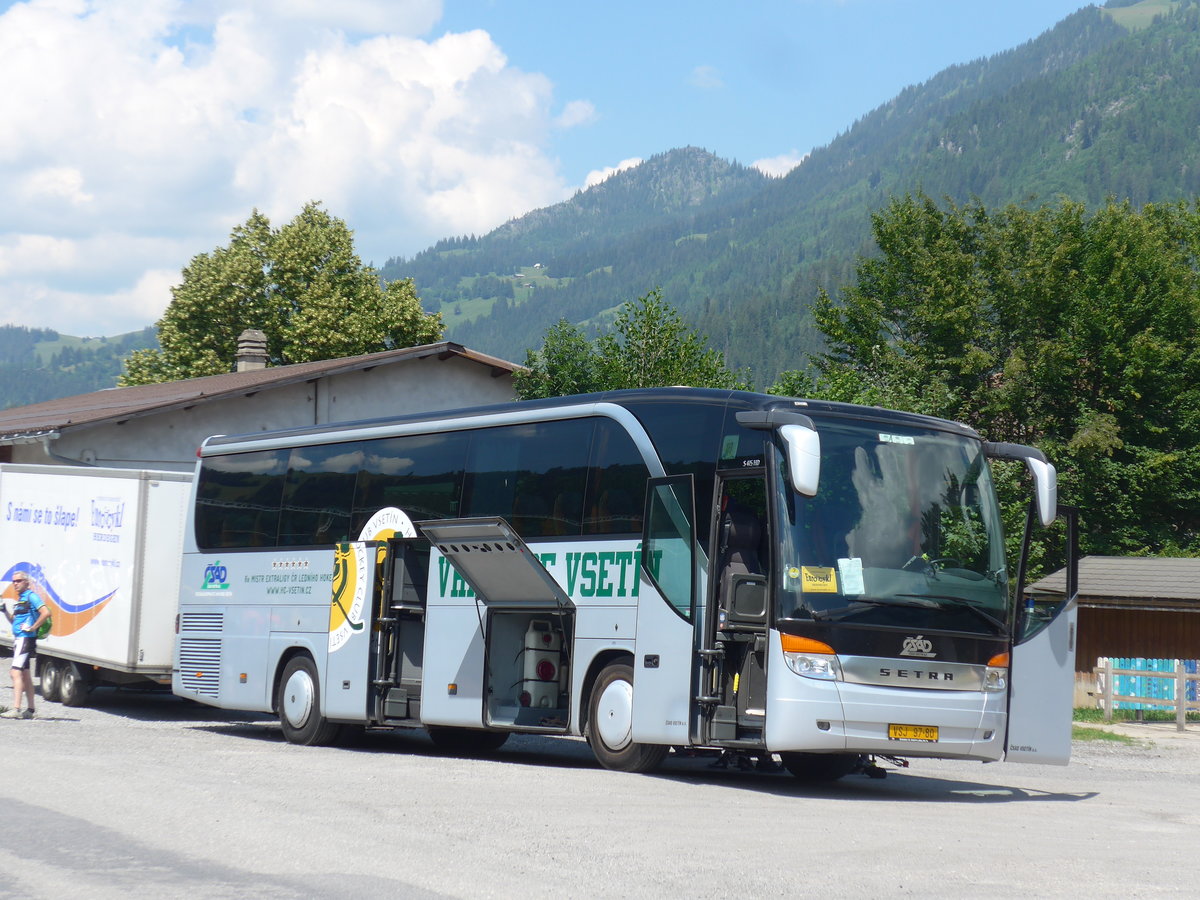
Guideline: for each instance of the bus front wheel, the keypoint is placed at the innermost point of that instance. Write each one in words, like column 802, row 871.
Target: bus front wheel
column 610, row 724
column 300, row 705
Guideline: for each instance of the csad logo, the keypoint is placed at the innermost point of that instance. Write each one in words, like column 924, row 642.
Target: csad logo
column 216, row 578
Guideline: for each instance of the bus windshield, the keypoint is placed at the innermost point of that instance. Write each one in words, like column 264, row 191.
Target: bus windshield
column 904, row 531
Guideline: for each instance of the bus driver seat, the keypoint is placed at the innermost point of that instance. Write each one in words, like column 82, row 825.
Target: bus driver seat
column 742, row 581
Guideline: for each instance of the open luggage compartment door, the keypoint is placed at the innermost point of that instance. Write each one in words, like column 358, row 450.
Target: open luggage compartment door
column 529, row 623
column 496, row 563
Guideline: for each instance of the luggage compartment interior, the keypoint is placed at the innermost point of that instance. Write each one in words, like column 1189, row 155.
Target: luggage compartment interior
column 528, row 669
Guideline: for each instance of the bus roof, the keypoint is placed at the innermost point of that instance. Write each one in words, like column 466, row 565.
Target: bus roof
column 637, row 397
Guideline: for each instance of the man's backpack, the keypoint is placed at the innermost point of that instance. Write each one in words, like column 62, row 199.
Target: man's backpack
column 44, row 628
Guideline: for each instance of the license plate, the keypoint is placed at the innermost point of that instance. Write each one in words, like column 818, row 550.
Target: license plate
column 913, row 733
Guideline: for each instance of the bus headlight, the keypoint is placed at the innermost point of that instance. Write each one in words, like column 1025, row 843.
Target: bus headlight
column 812, row 659
column 995, row 678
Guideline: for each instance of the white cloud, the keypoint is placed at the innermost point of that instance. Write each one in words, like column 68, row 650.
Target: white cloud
column 596, row 176
column 55, row 183
column 577, row 112
column 777, row 166
column 706, row 78
column 139, row 132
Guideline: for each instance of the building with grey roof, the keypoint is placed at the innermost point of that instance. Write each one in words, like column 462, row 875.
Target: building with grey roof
column 160, row 426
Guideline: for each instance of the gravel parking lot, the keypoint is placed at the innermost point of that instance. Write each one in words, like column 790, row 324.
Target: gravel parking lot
column 145, row 793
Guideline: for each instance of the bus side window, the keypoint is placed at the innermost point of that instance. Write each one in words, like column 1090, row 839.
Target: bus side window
column 318, row 494
column 237, row 499
column 421, row 474
column 528, row 475
column 616, row 483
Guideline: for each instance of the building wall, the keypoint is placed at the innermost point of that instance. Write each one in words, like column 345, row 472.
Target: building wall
column 1136, row 633
column 169, row 440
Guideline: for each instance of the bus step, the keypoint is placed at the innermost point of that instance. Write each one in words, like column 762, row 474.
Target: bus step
column 740, row 744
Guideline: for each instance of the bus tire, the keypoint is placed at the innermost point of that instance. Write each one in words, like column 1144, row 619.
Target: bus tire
column 816, row 768
column 610, row 724
column 300, row 705
column 50, row 675
column 466, row 741
column 73, row 687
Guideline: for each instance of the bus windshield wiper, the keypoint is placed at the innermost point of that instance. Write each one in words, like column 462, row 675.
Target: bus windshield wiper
column 857, row 603
column 963, row 604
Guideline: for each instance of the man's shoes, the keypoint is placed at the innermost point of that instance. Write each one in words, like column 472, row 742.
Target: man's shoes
column 17, row 714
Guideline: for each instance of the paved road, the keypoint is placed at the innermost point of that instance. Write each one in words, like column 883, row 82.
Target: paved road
column 150, row 796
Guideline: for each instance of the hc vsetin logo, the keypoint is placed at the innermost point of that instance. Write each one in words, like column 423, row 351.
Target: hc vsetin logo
column 216, row 578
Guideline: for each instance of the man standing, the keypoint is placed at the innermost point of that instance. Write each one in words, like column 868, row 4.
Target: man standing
column 27, row 616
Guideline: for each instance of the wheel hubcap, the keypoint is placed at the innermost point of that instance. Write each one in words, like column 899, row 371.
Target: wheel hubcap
column 614, row 715
column 297, row 700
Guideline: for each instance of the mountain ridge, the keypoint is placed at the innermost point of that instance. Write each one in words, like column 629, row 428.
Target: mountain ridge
column 1089, row 108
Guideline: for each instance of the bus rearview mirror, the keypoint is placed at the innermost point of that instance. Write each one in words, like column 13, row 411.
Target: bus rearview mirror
column 804, row 457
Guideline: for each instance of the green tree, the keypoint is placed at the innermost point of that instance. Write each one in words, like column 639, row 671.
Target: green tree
column 649, row 345
column 302, row 285
column 1077, row 332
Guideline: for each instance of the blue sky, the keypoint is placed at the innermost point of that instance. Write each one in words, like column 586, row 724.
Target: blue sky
column 755, row 81
column 138, row 133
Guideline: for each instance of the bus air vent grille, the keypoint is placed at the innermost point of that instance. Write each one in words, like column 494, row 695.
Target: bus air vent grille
column 201, row 621
column 200, row 665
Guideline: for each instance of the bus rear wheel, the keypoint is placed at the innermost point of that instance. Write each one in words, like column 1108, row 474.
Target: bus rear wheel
column 815, row 768
column 300, row 705
column 50, row 676
column 610, row 724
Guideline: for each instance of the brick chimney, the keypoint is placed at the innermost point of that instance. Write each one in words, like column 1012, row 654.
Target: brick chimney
column 251, row 351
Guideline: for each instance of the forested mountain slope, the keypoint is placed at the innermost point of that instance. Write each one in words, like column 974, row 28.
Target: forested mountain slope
column 1104, row 104
column 39, row 364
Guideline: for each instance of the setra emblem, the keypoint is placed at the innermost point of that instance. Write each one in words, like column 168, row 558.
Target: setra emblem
column 918, row 646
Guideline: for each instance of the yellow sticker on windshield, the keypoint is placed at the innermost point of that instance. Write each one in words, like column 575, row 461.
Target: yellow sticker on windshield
column 818, row 579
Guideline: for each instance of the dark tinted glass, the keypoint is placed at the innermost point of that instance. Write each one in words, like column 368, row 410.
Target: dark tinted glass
column 237, row 499
column 689, row 439
column 318, row 494
column 534, row 476
column 617, row 486
column 421, row 475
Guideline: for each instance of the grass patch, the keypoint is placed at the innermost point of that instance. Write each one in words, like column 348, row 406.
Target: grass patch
column 1140, row 15
column 1093, row 715
column 1084, row 733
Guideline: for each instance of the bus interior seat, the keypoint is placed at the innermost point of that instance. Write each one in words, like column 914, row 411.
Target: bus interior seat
column 616, row 513
column 568, row 510
column 531, row 515
column 741, row 536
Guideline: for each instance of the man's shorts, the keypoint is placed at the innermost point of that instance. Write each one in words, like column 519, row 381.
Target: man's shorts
column 24, row 650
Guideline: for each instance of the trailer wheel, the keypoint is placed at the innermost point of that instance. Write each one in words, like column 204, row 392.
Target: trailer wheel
column 820, row 767
column 73, row 687
column 300, row 705
column 466, row 741
column 50, row 675
column 610, row 724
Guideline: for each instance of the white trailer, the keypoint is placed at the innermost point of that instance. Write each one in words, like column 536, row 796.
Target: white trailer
column 102, row 548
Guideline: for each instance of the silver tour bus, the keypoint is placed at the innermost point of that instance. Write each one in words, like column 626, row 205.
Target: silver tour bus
column 815, row 582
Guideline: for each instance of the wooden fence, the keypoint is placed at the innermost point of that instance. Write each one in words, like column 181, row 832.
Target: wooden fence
column 1169, row 688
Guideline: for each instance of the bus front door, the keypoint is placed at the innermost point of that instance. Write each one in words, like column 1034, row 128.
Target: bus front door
column 664, row 645
column 732, row 680
column 1042, row 667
